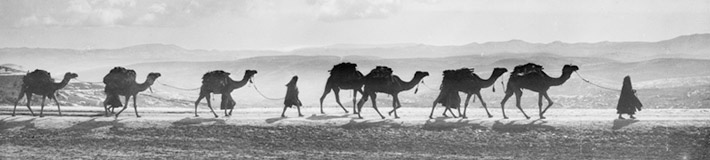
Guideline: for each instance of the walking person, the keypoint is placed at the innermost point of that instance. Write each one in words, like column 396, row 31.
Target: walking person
column 628, row 102
column 292, row 97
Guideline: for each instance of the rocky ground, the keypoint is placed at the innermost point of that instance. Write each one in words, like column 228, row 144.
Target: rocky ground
column 260, row 133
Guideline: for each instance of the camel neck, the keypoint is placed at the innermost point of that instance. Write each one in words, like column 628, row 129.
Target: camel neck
column 239, row 84
column 145, row 85
column 491, row 80
column 63, row 83
column 415, row 80
column 562, row 79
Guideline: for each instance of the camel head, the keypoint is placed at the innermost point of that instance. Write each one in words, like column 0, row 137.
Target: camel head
column 249, row 73
column 421, row 74
column 499, row 70
column 153, row 75
column 70, row 75
column 569, row 68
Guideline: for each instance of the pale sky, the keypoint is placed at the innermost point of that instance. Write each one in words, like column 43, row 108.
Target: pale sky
column 288, row 24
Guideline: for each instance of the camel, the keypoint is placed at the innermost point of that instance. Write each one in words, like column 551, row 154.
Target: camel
column 470, row 87
column 536, row 82
column 125, row 85
column 218, row 82
column 40, row 82
column 343, row 76
column 389, row 84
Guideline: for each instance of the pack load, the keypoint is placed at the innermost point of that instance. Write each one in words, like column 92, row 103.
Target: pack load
column 526, row 69
column 380, row 74
column 37, row 77
column 117, row 81
column 219, row 79
column 345, row 70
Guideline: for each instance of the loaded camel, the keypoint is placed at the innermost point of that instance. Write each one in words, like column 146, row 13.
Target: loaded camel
column 343, row 76
column 470, row 84
column 40, row 82
column 531, row 76
column 219, row 82
column 121, row 82
column 381, row 80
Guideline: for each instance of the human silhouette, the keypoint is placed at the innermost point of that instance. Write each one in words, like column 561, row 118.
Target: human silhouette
column 292, row 97
column 628, row 102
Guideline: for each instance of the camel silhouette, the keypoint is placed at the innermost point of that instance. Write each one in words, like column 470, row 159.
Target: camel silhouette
column 470, row 85
column 40, row 82
column 121, row 82
column 380, row 80
column 536, row 81
column 219, row 82
column 343, row 76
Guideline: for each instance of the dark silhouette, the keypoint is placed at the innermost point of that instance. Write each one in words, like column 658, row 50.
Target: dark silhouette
column 292, row 97
column 464, row 80
column 219, row 82
column 628, row 102
column 531, row 76
column 343, row 76
column 40, row 82
column 381, row 80
column 121, row 82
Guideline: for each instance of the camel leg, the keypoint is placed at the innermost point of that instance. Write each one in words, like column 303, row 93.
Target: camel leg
column 41, row 110
column 484, row 106
column 395, row 105
column 22, row 94
column 57, row 102
column 549, row 104
column 519, row 94
column 198, row 102
column 539, row 104
column 452, row 113
column 446, row 109
column 354, row 100
column 209, row 105
column 432, row 110
column 502, row 103
column 362, row 103
column 374, row 104
column 135, row 105
column 465, row 106
column 124, row 106
column 328, row 87
column 336, row 91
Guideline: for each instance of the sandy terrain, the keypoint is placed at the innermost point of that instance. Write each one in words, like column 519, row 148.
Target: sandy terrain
column 83, row 132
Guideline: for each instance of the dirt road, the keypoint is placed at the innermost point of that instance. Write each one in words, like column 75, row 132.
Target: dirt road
column 260, row 133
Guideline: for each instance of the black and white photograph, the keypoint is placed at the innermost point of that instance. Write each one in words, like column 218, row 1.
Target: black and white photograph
column 355, row 79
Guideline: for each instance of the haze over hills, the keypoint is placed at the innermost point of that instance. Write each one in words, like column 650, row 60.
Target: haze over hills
column 670, row 73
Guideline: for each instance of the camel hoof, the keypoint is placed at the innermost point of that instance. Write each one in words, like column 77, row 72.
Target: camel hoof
column 138, row 116
column 396, row 117
column 321, row 112
column 505, row 117
column 215, row 116
column 527, row 117
column 464, row 117
column 13, row 115
column 489, row 116
column 431, row 117
column 41, row 115
column 282, row 116
column 542, row 117
column 197, row 115
column 383, row 117
column 300, row 115
column 360, row 117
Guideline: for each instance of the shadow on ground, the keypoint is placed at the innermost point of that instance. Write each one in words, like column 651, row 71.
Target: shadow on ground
column 512, row 126
column 198, row 121
column 326, row 117
column 621, row 123
column 440, row 124
column 25, row 124
column 353, row 124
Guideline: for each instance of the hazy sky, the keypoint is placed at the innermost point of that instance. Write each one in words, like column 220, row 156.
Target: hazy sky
column 286, row 24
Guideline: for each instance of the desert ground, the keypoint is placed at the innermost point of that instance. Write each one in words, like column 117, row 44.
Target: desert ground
column 260, row 133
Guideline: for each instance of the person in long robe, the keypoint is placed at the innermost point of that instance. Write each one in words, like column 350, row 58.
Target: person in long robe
column 292, row 97
column 628, row 102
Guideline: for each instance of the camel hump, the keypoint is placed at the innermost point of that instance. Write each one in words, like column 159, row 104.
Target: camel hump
column 527, row 69
column 216, row 79
column 380, row 72
column 37, row 76
column 219, row 74
column 459, row 74
column 119, row 77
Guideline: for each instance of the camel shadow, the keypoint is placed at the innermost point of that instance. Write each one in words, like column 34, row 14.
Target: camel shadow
column 198, row 121
column 325, row 117
column 621, row 123
column 93, row 124
column 24, row 124
column 512, row 127
column 371, row 124
column 440, row 124
column 274, row 120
